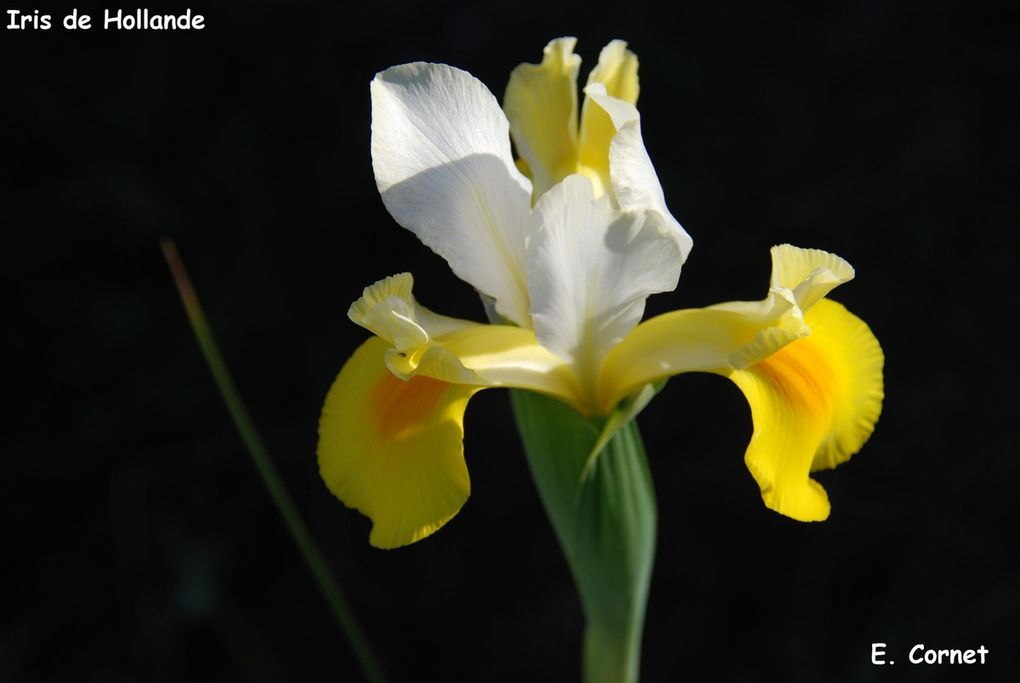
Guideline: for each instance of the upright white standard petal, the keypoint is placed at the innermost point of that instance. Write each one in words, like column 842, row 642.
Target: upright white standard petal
column 591, row 267
column 442, row 161
column 633, row 178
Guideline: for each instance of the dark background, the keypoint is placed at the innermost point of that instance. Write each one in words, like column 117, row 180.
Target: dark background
column 138, row 543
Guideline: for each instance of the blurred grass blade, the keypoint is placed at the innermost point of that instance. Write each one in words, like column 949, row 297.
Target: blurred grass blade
column 277, row 491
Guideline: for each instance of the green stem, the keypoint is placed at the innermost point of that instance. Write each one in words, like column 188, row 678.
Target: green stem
column 295, row 524
column 604, row 513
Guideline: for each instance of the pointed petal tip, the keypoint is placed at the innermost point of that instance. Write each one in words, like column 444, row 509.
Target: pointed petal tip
column 562, row 48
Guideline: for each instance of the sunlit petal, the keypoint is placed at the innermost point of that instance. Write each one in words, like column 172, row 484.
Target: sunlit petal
column 441, row 154
column 591, row 268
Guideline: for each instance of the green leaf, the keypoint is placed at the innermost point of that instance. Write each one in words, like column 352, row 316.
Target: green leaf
column 624, row 413
column 605, row 522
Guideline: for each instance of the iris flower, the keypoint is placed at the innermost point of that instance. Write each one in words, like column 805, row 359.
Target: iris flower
column 566, row 243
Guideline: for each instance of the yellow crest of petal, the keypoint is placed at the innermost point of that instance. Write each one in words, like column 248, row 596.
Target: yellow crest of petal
column 814, row 403
column 388, row 308
column 809, row 273
column 393, row 449
column 397, row 286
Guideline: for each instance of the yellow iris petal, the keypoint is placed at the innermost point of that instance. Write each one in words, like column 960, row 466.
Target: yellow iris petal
column 809, row 274
column 695, row 340
column 393, row 449
column 617, row 70
column 541, row 105
column 814, row 403
column 505, row 356
column 810, row 370
column 734, row 335
column 458, row 351
column 391, row 431
column 793, row 266
column 857, row 391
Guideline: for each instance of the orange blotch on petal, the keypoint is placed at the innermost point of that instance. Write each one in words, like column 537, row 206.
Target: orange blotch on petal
column 804, row 377
column 401, row 409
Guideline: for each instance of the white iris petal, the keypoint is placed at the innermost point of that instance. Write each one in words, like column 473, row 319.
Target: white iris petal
column 442, row 161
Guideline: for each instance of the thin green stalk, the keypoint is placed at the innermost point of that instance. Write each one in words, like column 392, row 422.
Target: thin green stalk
column 604, row 513
column 295, row 524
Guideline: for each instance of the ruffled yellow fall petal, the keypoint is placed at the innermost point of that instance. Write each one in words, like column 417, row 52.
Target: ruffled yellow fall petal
column 814, row 403
column 810, row 370
column 541, row 105
column 857, row 391
column 392, row 448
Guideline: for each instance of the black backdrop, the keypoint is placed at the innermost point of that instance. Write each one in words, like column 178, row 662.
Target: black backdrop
column 138, row 542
